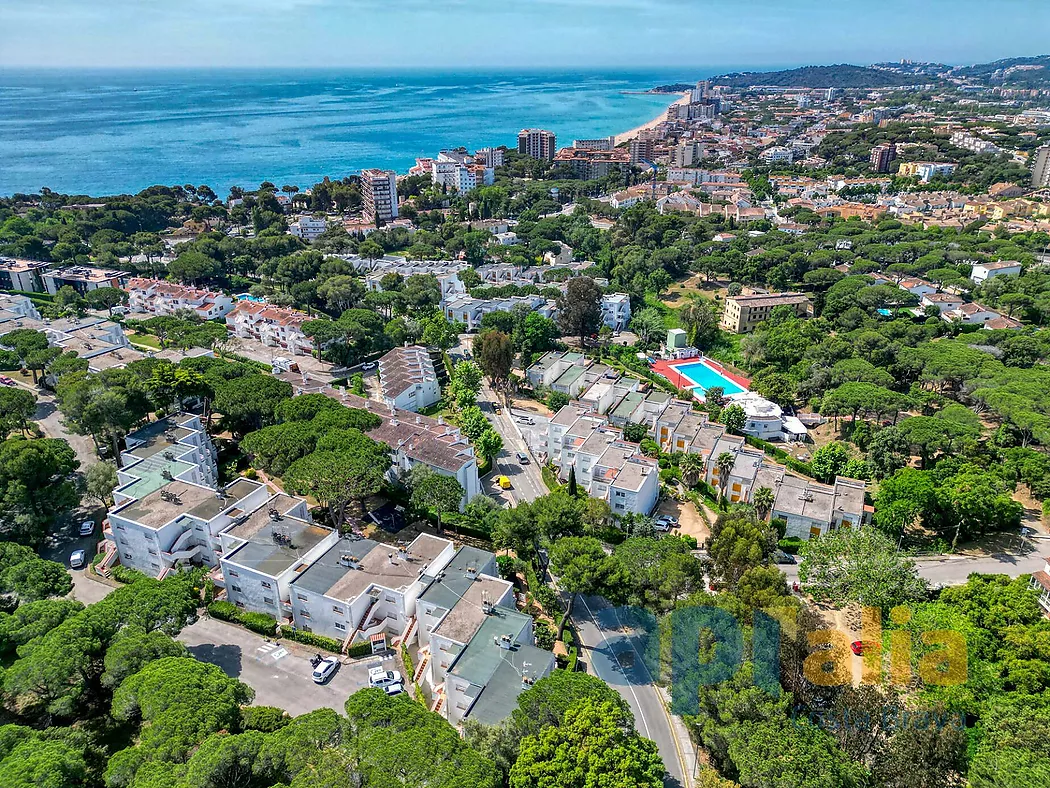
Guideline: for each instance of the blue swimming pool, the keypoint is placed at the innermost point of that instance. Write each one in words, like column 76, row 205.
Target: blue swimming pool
column 705, row 377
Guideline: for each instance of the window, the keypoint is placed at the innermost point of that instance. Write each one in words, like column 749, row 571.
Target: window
column 301, row 597
column 266, row 585
column 151, row 551
column 268, row 600
column 121, row 527
column 736, row 488
column 127, row 556
column 235, row 588
column 340, row 626
column 232, row 573
column 339, row 610
column 239, row 603
column 154, row 565
column 390, row 598
column 304, row 613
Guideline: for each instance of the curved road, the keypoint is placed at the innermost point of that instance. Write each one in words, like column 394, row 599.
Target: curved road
column 602, row 640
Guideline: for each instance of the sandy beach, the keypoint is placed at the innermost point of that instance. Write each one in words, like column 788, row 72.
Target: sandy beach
column 629, row 135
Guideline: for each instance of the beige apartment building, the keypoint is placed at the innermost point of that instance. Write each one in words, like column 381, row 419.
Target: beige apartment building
column 744, row 312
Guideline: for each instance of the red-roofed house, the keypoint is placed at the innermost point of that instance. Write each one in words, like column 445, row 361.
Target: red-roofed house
column 166, row 298
column 274, row 326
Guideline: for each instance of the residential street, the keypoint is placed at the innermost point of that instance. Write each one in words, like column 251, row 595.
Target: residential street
column 526, row 480
column 610, row 654
column 953, row 571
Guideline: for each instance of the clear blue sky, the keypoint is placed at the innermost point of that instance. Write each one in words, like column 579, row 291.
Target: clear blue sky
column 525, row 33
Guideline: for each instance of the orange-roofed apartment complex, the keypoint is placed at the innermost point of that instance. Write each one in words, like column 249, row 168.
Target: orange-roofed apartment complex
column 274, row 326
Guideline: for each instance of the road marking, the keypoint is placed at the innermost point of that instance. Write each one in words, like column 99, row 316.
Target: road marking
column 608, row 645
column 266, row 648
column 279, row 654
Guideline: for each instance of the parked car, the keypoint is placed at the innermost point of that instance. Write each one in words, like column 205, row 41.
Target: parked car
column 394, row 689
column 380, row 677
column 368, row 365
column 6, row 381
column 525, row 420
column 665, row 522
column 324, row 669
column 503, row 482
column 77, row 559
column 497, row 410
column 783, row 558
column 523, row 458
column 87, row 528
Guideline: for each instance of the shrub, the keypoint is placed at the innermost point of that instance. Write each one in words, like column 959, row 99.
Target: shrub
column 359, row 650
column 251, row 473
column 224, row 611
column 791, row 544
column 567, row 638
column 311, row 639
column 544, row 635
column 263, row 718
column 123, row 574
column 9, row 361
column 507, row 566
column 262, row 623
column 547, row 598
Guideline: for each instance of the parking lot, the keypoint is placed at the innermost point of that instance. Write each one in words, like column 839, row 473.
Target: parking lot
column 280, row 672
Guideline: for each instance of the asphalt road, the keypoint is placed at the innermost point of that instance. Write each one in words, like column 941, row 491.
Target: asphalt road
column 526, row 479
column 280, row 673
column 610, row 655
column 953, row 571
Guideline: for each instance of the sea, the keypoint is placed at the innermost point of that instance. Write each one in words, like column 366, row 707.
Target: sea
column 120, row 131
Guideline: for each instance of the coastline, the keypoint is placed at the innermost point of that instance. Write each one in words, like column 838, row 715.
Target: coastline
column 629, row 135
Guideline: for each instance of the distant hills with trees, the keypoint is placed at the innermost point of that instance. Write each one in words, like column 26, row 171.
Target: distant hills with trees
column 837, row 76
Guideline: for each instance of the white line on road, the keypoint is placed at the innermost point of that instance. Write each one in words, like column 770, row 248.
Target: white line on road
column 605, row 640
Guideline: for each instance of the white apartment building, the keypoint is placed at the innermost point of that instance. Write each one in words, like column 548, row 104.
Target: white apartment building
column 81, row 278
column 982, row 272
column 970, row 314
column 359, row 590
column 274, row 326
column 308, row 228
column 616, row 310
column 407, row 378
column 15, row 308
column 265, row 548
column 379, row 191
column 178, row 523
column 606, row 465
column 490, row 157
column 447, row 274
column 176, row 448
column 24, row 275
column 155, row 297
column 778, row 154
column 970, row 142
column 470, row 311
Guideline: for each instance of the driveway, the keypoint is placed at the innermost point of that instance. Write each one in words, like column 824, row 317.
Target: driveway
column 610, row 654
column 279, row 672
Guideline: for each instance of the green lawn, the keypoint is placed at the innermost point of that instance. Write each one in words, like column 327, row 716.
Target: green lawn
column 146, row 340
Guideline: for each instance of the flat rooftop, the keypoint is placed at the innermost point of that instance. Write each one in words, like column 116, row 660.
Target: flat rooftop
column 178, row 499
column 479, row 660
column 265, row 554
column 158, row 437
column 375, row 564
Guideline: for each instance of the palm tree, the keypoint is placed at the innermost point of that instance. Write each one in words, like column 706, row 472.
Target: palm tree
column 763, row 500
column 724, row 463
column 692, row 466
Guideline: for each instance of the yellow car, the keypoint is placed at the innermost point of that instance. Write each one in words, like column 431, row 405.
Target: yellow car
column 504, row 482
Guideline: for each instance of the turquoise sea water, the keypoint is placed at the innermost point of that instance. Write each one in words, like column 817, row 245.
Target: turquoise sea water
column 705, row 377
column 111, row 132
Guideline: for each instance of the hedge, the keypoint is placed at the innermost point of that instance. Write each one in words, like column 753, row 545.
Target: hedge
column 790, row 544
column 359, row 650
column 311, row 639
column 261, row 623
column 123, row 574
column 224, row 611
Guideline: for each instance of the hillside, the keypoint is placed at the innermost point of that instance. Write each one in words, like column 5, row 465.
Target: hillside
column 1030, row 72
column 838, row 76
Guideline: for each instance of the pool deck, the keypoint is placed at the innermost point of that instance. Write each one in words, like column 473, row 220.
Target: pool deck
column 667, row 369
